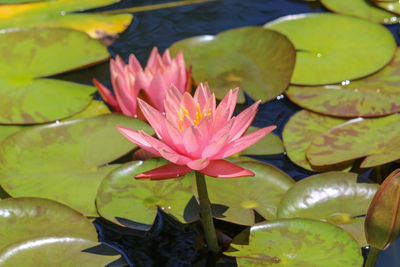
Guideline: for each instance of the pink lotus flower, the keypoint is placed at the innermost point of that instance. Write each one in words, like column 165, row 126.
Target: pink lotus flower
column 130, row 81
column 194, row 134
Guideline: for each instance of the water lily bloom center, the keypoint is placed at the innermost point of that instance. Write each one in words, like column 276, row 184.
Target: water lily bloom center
column 195, row 134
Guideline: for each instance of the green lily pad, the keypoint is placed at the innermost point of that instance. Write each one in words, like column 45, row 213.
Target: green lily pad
column 356, row 139
column 335, row 197
column 241, row 196
column 391, row 6
column 362, row 9
column 27, row 218
column 300, row 130
column 333, row 48
column 298, row 242
column 95, row 108
column 375, row 95
column 54, row 251
column 65, row 161
column 262, row 67
column 271, row 144
column 122, row 196
column 28, row 55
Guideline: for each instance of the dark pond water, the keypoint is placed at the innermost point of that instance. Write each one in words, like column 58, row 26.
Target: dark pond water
column 168, row 244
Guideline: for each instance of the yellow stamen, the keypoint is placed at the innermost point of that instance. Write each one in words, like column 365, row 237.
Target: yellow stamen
column 200, row 114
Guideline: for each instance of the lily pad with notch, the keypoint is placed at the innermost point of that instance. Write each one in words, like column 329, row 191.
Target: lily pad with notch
column 29, row 55
column 335, row 197
column 65, row 161
column 332, row 48
column 262, row 68
column 373, row 96
column 300, row 130
column 242, row 196
column 127, row 201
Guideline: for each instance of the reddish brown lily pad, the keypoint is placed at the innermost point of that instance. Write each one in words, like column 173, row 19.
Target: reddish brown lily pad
column 297, row 242
column 376, row 139
column 300, row 130
column 375, row 95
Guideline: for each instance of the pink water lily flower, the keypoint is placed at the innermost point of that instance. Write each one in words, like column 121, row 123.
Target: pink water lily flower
column 130, row 81
column 194, row 134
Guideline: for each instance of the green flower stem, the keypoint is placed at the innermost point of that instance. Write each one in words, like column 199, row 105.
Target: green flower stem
column 372, row 257
column 205, row 213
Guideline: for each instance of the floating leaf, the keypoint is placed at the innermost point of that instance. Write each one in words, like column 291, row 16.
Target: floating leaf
column 19, row 1
column 356, row 139
column 300, row 130
column 95, row 108
column 262, row 67
column 269, row 145
column 392, row 6
column 332, row 48
column 382, row 225
column 64, row 161
column 28, row 55
column 298, row 242
column 241, row 196
column 375, row 95
column 97, row 26
column 55, row 14
column 335, row 197
column 122, row 196
column 362, row 9
column 54, row 251
column 27, row 218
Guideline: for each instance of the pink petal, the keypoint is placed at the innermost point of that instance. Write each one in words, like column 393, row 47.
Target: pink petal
column 106, row 94
column 244, row 142
column 152, row 61
column 155, row 119
column 165, row 132
column 179, row 59
column 215, row 147
column 137, row 138
column 173, row 156
column 198, row 164
column 188, row 102
column 225, row 108
column 126, row 102
column 167, row 57
column 192, row 140
column 141, row 82
column 243, row 121
column 134, row 64
column 225, row 169
column 167, row 171
column 157, row 91
column 202, row 94
column 119, row 63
